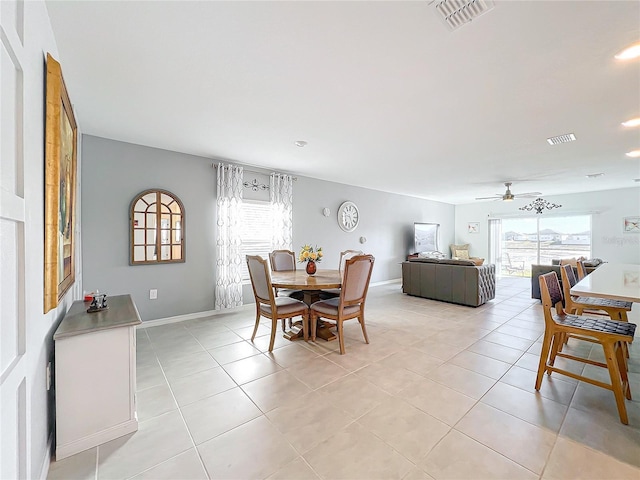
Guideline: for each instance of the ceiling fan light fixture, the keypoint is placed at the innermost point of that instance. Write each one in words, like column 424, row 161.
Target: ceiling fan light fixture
column 629, row 53
column 633, row 154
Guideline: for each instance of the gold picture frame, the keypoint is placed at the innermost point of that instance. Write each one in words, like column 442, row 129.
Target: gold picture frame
column 61, row 139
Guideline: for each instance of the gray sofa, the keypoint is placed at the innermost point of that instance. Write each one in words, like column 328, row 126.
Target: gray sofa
column 454, row 281
column 537, row 270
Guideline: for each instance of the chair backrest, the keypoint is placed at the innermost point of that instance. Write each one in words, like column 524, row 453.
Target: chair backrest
column 282, row 260
column 582, row 270
column 568, row 276
column 550, row 293
column 260, row 279
column 346, row 255
column 355, row 283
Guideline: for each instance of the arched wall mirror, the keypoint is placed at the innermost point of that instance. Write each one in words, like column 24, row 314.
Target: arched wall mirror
column 157, row 228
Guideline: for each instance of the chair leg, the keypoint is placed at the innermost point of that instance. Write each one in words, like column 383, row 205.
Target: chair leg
column 274, row 325
column 313, row 319
column 340, row 336
column 255, row 329
column 305, row 321
column 557, row 340
column 616, row 382
column 622, row 366
column 544, row 354
column 364, row 329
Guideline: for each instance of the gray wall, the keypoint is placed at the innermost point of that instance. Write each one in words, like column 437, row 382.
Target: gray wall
column 114, row 172
column 386, row 221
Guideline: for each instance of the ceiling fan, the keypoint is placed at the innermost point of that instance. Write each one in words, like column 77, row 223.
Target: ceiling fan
column 508, row 196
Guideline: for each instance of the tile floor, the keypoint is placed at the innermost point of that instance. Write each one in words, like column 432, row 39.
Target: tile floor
column 443, row 392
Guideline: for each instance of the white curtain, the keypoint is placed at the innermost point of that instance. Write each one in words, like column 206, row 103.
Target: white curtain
column 281, row 196
column 229, row 240
column 495, row 244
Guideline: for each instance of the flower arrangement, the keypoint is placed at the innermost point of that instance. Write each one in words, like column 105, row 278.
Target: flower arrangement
column 310, row 254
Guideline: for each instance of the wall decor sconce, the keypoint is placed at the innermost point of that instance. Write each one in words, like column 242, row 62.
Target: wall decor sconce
column 539, row 205
column 255, row 185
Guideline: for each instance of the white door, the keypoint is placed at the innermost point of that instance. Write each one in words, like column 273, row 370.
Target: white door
column 13, row 364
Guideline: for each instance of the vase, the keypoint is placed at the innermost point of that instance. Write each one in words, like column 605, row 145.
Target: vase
column 311, row 267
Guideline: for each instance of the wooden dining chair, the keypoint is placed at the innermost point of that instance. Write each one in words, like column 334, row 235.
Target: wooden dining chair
column 350, row 303
column 582, row 270
column 611, row 334
column 344, row 256
column 270, row 306
column 284, row 261
column 615, row 309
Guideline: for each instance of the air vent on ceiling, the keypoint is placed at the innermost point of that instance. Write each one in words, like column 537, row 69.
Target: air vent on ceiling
column 456, row 13
column 567, row 137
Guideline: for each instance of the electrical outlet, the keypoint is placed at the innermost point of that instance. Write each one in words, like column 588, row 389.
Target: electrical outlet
column 48, row 376
column 153, row 294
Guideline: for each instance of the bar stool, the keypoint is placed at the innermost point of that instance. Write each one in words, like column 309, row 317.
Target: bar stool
column 613, row 335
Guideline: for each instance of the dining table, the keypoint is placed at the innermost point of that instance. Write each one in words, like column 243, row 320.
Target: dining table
column 615, row 281
column 311, row 286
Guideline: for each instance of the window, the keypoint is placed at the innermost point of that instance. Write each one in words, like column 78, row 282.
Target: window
column 256, row 224
column 157, row 228
column 538, row 240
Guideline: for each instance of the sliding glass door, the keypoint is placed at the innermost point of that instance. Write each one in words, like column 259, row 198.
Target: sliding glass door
column 525, row 241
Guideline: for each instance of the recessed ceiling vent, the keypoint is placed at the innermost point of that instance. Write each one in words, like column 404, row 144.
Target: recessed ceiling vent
column 567, row 137
column 456, row 13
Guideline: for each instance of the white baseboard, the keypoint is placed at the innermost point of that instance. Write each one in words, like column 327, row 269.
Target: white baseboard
column 385, row 282
column 95, row 439
column 192, row 316
column 249, row 306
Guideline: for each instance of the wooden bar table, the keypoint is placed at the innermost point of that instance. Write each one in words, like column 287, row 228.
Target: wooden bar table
column 616, row 281
column 311, row 286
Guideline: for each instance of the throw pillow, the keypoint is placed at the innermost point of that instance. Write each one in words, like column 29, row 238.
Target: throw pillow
column 458, row 247
column 477, row 261
column 462, row 254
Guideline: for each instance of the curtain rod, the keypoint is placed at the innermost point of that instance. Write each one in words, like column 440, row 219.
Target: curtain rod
column 215, row 165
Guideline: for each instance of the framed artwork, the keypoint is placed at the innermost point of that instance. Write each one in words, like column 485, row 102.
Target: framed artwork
column 60, row 188
column 632, row 225
column 473, row 227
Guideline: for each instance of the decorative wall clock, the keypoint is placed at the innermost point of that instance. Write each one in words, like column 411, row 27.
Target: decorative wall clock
column 348, row 216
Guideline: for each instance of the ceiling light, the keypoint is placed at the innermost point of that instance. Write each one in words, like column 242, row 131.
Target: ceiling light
column 567, row 137
column 300, row 143
column 629, row 53
column 633, row 154
column 634, row 122
column 594, row 175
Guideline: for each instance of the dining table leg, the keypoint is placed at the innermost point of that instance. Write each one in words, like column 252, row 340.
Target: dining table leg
column 323, row 331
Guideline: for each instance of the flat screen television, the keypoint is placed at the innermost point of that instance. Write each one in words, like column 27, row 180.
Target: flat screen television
column 425, row 237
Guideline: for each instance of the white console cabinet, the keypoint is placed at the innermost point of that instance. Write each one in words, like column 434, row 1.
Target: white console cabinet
column 95, row 375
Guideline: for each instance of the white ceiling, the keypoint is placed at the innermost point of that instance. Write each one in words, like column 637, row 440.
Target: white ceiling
column 386, row 96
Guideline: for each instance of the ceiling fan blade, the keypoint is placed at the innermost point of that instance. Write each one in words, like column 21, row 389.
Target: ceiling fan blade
column 496, row 197
column 528, row 195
